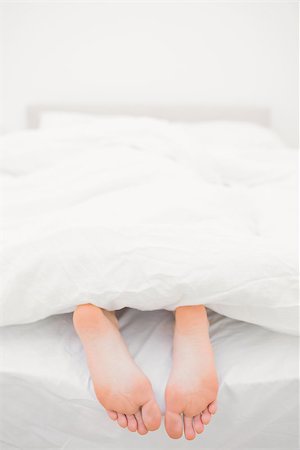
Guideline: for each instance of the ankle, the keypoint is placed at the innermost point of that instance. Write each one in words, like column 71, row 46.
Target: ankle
column 90, row 317
column 191, row 318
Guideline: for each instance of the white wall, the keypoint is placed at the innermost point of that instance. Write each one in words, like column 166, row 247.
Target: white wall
column 236, row 53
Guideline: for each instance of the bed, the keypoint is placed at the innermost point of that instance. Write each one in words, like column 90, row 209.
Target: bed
column 47, row 395
column 48, row 400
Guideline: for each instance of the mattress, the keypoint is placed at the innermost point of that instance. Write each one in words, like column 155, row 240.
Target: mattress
column 48, row 400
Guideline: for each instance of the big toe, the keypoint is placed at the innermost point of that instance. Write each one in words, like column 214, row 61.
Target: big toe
column 151, row 415
column 173, row 424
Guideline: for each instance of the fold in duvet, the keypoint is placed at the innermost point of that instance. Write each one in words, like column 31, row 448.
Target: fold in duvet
column 147, row 217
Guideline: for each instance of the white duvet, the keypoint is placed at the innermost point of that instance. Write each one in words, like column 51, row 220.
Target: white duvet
column 150, row 215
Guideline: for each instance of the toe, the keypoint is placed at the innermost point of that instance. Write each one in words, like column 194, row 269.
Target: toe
column 213, row 407
column 122, row 420
column 205, row 416
column 132, row 423
column 173, row 424
column 113, row 415
column 188, row 428
column 151, row 415
column 198, row 425
column 141, row 428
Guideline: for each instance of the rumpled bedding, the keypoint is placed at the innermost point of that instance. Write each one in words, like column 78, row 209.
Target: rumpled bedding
column 147, row 214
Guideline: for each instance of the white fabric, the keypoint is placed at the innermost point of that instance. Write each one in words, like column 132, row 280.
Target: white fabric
column 150, row 215
column 47, row 400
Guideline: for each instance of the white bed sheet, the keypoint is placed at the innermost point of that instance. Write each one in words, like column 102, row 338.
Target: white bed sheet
column 48, row 401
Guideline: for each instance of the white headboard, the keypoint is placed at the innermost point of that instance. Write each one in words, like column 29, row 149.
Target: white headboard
column 183, row 113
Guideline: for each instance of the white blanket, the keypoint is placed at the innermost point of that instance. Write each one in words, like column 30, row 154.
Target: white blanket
column 149, row 215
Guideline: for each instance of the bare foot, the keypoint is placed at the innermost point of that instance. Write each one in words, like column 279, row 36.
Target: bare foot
column 120, row 386
column 192, row 387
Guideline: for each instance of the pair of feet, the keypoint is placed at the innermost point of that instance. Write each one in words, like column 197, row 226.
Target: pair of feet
column 126, row 393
